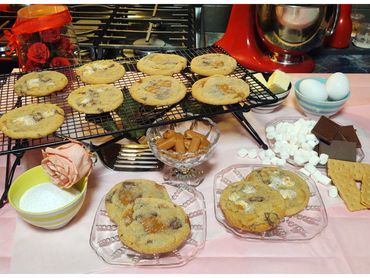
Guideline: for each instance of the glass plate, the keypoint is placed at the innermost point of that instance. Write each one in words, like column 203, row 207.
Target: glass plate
column 106, row 243
column 302, row 226
column 360, row 155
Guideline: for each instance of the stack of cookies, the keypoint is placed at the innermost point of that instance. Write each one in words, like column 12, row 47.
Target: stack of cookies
column 266, row 195
column 148, row 221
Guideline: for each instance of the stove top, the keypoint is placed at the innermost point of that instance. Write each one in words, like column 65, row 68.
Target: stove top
column 118, row 31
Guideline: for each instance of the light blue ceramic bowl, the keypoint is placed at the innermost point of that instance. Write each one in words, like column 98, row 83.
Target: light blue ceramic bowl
column 317, row 108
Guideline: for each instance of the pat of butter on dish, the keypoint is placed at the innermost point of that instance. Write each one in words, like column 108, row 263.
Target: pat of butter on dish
column 261, row 79
column 278, row 82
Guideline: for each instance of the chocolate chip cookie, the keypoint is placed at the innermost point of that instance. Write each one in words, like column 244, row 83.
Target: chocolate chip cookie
column 40, row 83
column 96, row 99
column 126, row 192
column 34, row 121
column 212, row 64
column 252, row 206
column 101, row 72
column 161, row 64
column 151, row 226
column 220, row 90
column 291, row 186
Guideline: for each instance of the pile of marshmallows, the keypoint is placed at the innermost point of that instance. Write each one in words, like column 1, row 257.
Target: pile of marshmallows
column 293, row 141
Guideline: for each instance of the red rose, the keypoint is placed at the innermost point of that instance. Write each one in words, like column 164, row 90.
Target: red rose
column 59, row 62
column 38, row 52
column 50, row 35
column 31, row 66
column 64, row 45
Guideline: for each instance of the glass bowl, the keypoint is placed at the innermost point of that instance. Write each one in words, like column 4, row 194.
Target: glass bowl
column 184, row 167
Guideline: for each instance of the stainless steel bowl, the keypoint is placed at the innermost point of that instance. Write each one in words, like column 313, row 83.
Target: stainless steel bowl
column 290, row 31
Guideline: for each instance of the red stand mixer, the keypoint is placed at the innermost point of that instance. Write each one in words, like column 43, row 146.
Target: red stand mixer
column 270, row 36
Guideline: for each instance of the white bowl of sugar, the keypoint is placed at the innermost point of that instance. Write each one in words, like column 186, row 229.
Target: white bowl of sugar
column 41, row 203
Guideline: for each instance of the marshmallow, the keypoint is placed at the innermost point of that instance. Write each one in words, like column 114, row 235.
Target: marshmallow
column 333, row 191
column 284, row 155
column 324, row 158
column 314, row 160
column 266, row 161
column 299, row 160
column 304, row 171
column 252, row 153
column 269, row 153
column 310, row 168
column 242, row 152
column 324, row 180
column 270, row 135
column 270, row 128
column 281, row 162
column 261, row 154
column 274, row 160
column 316, row 175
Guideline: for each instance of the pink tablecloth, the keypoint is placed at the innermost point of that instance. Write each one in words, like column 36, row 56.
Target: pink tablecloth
column 342, row 247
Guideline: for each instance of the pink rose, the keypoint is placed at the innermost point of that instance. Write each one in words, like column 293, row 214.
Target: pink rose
column 67, row 164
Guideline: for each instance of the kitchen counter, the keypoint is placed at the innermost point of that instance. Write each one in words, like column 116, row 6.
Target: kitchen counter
column 327, row 59
column 340, row 248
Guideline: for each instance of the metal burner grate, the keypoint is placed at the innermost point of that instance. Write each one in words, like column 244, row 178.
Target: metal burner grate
column 132, row 116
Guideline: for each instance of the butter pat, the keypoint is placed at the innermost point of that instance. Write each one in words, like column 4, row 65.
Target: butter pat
column 261, row 79
column 278, row 82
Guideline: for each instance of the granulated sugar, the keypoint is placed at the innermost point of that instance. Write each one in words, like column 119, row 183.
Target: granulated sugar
column 46, row 197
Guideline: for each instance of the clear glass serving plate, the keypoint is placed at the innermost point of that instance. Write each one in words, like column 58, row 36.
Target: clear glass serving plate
column 107, row 245
column 360, row 155
column 302, row 226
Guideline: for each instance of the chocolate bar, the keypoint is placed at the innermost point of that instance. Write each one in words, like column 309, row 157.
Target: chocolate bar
column 341, row 150
column 349, row 134
column 325, row 129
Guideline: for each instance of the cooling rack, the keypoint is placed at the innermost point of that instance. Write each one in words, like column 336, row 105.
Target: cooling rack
column 130, row 120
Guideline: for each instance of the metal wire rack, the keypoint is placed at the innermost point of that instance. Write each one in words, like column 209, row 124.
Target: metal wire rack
column 130, row 119
column 131, row 116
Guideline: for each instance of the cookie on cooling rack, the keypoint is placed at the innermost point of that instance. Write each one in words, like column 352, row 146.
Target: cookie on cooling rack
column 96, row 99
column 158, row 90
column 152, row 226
column 32, row 121
column 161, row 64
column 252, row 206
column 40, row 83
column 212, row 64
column 101, row 72
column 126, row 192
column 291, row 186
column 220, row 90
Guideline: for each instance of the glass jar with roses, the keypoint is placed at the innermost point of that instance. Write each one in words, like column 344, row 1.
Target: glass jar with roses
column 44, row 38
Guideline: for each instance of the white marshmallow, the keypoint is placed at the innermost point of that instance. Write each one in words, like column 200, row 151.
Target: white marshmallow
column 269, row 153
column 284, row 155
column 311, row 137
column 310, row 168
column 261, row 154
column 304, row 171
column 317, row 175
column 278, row 137
column 333, row 191
column 299, row 160
column 301, row 137
column 281, row 162
column 293, row 149
column 270, row 128
column 252, row 153
column 266, row 161
column 242, row 152
column 270, row 135
column 274, row 160
column 314, row 160
column 324, row 158
column 324, row 180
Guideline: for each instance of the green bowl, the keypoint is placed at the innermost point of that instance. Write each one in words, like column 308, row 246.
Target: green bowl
column 53, row 219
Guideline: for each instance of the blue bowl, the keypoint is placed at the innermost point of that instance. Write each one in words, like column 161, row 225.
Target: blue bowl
column 316, row 108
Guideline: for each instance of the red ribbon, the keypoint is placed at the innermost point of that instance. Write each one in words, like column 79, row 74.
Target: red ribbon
column 36, row 24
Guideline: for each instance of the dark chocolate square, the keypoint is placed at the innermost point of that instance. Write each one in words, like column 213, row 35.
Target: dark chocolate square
column 349, row 134
column 341, row 150
column 325, row 129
